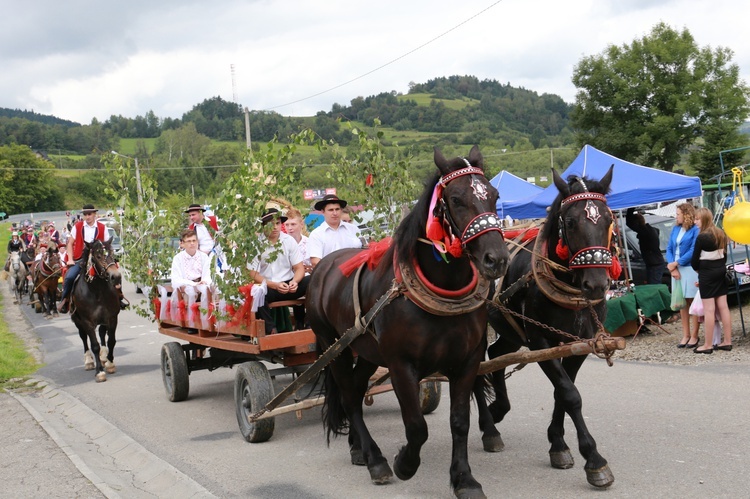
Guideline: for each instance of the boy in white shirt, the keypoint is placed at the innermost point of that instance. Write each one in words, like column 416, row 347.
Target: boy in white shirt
column 285, row 274
column 191, row 269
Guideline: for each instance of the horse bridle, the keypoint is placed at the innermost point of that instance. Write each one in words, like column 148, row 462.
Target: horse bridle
column 591, row 256
column 45, row 264
column 484, row 222
column 100, row 273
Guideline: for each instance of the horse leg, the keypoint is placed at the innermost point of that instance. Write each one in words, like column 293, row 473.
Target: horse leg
column 463, row 482
column 491, row 439
column 568, row 400
column 405, row 385
column 53, row 301
column 108, row 353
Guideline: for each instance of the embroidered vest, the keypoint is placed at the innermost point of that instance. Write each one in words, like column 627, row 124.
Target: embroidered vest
column 78, row 242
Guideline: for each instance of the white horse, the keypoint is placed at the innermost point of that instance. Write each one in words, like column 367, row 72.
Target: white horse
column 18, row 272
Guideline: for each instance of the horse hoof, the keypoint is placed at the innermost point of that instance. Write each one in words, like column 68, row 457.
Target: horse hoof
column 101, row 377
column 88, row 361
column 358, row 457
column 493, row 443
column 601, row 477
column 380, row 473
column 110, row 367
column 562, row 460
column 403, row 472
column 470, row 493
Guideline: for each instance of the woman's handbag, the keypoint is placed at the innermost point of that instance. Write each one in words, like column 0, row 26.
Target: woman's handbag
column 678, row 299
column 729, row 277
column 696, row 308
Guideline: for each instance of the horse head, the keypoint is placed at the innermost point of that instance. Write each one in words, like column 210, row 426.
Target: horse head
column 580, row 232
column 15, row 260
column 467, row 206
column 101, row 258
column 51, row 258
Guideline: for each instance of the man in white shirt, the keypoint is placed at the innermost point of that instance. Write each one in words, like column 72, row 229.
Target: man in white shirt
column 332, row 234
column 85, row 230
column 280, row 266
column 294, row 225
column 205, row 228
column 191, row 269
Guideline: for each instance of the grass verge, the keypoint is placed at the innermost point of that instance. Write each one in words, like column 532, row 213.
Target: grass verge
column 16, row 363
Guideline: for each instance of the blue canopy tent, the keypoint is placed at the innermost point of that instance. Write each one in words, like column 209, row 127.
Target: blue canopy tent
column 632, row 185
column 511, row 188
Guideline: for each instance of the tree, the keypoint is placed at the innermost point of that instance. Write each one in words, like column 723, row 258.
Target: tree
column 26, row 182
column 650, row 100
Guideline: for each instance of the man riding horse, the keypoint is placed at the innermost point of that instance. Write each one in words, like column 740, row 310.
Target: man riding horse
column 15, row 245
column 86, row 230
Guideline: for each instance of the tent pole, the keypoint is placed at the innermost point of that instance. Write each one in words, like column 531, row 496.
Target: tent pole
column 624, row 244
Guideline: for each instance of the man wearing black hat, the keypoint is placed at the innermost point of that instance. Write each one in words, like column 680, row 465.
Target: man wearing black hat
column 332, row 234
column 86, row 230
column 281, row 267
column 205, row 227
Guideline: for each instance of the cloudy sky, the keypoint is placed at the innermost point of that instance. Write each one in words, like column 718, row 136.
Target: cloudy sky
column 78, row 59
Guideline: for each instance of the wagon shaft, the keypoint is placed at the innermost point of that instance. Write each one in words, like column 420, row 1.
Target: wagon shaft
column 577, row 348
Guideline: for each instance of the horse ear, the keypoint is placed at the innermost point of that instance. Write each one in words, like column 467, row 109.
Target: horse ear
column 607, row 179
column 476, row 158
column 561, row 184
column 441, row 162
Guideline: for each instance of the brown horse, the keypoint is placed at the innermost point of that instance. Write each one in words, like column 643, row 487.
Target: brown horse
column 440, row 327
column 95, row 302
column 45, row 274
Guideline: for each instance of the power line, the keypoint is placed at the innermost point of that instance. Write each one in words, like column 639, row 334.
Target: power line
column 389, row 62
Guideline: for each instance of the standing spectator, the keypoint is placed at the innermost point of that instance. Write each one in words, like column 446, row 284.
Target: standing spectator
column 710, row 260
column 679, row 255
column 332, row 234
column 648, row 241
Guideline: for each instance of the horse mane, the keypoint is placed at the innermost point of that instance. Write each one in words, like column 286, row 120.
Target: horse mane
column 549, row 230
column 413, row 226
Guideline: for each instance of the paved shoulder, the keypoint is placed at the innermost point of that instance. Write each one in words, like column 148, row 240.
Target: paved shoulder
column 110, row 461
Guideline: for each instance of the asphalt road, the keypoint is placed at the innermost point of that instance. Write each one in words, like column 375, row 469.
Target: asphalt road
column 667, row 431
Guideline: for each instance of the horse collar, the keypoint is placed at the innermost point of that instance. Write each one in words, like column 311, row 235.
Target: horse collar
column 435, row 300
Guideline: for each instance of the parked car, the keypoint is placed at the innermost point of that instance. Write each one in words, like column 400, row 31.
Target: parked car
column 664, row 225
column 116, row 242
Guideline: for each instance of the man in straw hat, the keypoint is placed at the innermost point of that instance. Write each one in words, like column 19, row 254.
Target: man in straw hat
column 281, row 267
column 332, row 234
column 86, row 230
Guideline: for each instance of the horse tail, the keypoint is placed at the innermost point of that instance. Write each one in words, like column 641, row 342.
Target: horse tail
column 334, row 417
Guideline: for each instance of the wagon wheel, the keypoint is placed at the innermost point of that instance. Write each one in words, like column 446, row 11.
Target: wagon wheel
column 252, row 391
column 429, row 396
column 174, row 371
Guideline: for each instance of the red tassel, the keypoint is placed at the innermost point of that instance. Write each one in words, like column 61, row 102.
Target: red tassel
column 562, row 251
column 455, row 248
column 369, row 182
column 435, row 230
column 616, row 268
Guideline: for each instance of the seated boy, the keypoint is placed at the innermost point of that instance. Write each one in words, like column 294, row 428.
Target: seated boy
column 191, row 269
column 280, row 266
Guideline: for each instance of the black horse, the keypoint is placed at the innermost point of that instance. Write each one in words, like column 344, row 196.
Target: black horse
column 95, row 302
column 572, row 262
column 45, row 274
column 439, row 326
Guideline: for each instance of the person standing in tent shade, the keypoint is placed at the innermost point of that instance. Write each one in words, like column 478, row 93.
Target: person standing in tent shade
column 648, row 240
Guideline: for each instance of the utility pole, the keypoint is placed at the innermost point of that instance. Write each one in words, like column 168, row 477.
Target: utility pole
column 247, row 128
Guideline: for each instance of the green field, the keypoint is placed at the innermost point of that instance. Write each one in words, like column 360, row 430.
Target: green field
column 425, row 99
column 129, row 146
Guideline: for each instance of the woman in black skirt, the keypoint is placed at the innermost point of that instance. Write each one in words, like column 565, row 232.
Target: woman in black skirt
column 709, row 260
